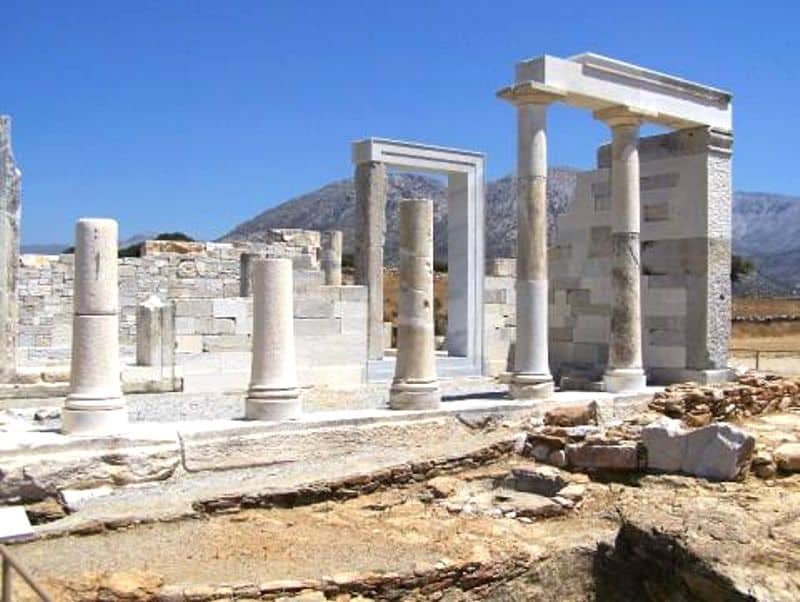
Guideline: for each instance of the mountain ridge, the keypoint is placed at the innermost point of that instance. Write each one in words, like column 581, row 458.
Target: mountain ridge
column 766, row 226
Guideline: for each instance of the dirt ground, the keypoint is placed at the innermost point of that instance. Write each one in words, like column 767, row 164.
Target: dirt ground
column 764, row 307
column 398, row 530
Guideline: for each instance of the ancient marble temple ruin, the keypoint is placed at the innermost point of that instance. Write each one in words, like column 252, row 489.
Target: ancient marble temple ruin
column 634, row 288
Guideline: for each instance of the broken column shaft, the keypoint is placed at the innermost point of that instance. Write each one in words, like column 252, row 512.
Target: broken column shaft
column 415, row 384
column 331, row 251
column 95, row 405
column 273, row 392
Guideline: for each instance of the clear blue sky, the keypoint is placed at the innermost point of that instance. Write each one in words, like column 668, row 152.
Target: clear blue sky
column 196, row 115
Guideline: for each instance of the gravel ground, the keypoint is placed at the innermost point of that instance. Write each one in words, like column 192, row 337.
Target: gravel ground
column 173, row 407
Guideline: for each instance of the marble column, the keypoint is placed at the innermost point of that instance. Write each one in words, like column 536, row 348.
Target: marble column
column 415, row 385
column 95, row 405
column 10, row 199
column 273, row 392
column 625, row 368
column 531, row 378
column 331, row 260
column 370, row 184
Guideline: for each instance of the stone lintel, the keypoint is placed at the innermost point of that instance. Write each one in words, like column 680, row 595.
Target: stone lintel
column 416, row 156
column 595, row 82
column 531, row 93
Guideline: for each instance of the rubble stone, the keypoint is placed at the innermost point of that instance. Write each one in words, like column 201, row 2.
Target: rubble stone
column 718, row 452
column 542, row 480
column 572, row 415
column 787, row 457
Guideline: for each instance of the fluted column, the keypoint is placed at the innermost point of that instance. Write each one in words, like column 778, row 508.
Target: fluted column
column 625, row 370
column 531, row 377
column 95, row 405
column 273, row 392
column 415, row 385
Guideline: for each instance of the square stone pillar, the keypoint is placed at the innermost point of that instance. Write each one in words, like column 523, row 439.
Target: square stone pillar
column 370, row 233
column 155, row 332
column 10, row 198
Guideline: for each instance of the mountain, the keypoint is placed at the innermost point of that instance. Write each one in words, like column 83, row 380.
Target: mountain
column 56, row 248
column 766, row 227
column 333, row 207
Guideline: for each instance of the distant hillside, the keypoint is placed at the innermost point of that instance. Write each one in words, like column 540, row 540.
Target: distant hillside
column 58, row 247
column 766, row 227
column 333, row 207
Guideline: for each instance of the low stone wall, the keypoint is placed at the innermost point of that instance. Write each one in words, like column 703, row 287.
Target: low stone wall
column 172, row 270
column 499, row 319
column 213, row 323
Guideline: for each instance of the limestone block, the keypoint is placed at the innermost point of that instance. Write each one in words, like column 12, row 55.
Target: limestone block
column 787, row 457
column 225, row 342
column 572, row 415
column 621, row 457
column 188, row 343
column 317, row 326
column 541, row 480
column 665, row 357
column 314, row 308
column 719, row 452
column 96, row 267
column 194, row 308
column 155, row 333
column 184, row 325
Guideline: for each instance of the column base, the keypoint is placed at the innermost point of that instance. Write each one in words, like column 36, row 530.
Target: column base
column 625, row 380
column 669, row 376
column 94, row 422
column 531, row 386
column 415, row 396
column 273, row 404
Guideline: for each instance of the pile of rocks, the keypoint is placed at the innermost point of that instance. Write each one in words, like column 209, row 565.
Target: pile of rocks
column 527, row 492
column 751, row 395
column 571, row 438
column 718, row 451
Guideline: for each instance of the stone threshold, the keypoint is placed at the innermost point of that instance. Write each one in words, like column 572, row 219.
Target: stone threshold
column 15, row 443
column 39, row 464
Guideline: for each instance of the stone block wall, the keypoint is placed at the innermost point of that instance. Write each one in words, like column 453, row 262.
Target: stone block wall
column 686, row 204
column 499, row 315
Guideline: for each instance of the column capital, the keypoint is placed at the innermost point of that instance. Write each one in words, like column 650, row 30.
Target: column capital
column 620, row 115
column 531, row 93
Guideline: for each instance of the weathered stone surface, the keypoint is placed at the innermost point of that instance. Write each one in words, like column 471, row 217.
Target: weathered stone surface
column 621, row 457
column 718, row 451
column 702, row 544
column 575, row 415
column 542, row 480
column 415, row 385
column 787, row 457
column 442, row 487
column 10, row 201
